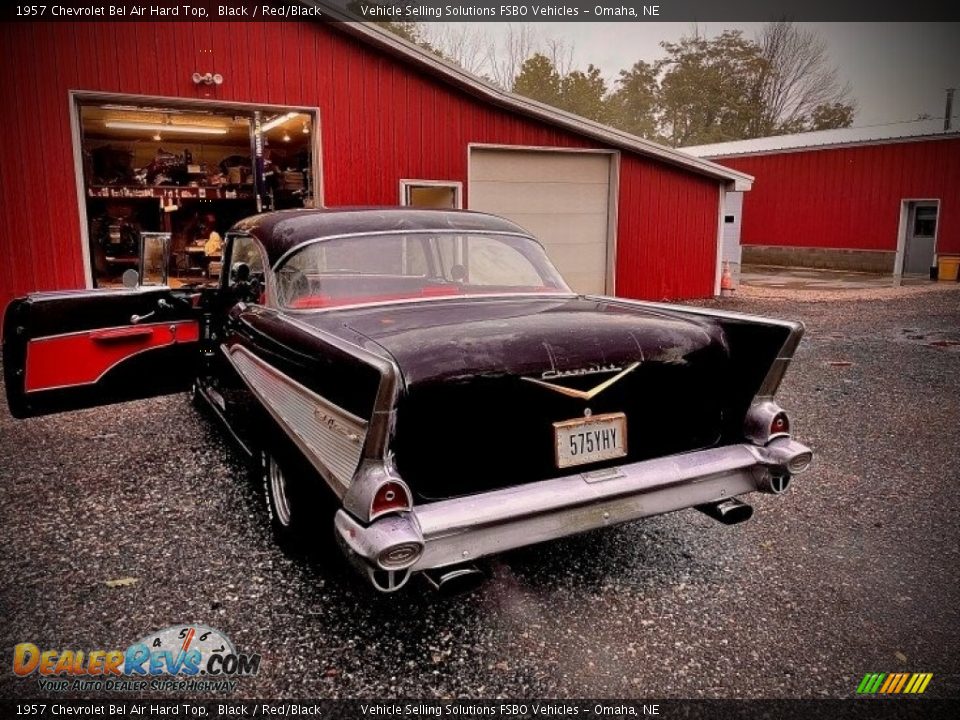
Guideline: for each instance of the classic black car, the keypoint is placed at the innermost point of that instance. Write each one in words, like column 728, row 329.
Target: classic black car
column 423, row 384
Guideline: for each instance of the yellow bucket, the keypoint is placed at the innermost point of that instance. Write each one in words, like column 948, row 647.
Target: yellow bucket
column 948, row 267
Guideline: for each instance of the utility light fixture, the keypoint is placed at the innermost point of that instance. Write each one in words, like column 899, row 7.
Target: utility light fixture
column 165, row 127
column 277, row 121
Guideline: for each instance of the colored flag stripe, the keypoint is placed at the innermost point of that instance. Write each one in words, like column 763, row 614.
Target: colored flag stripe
column 903, row 681
column 894, row 683
column 890, row 686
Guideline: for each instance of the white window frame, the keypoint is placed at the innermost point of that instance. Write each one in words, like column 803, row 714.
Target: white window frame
column 407, row 183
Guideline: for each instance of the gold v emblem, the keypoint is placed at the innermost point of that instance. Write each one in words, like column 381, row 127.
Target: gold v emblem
column 585, row 394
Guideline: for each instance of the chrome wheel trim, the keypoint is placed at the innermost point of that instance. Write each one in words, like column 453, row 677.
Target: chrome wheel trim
column 278, row 492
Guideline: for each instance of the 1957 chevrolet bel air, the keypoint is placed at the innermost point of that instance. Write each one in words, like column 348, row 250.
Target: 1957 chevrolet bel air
column 424, row 385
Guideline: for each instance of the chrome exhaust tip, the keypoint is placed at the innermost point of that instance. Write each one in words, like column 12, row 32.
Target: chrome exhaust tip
column 729, row 512
column 454, row 580
column 789, row 455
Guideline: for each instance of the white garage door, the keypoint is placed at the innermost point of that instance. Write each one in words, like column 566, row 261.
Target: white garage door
column 562, row 198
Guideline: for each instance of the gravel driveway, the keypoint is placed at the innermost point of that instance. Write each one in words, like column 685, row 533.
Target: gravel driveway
column 854, row 571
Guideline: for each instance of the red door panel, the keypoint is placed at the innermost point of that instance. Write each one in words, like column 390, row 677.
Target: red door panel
column 78, row 349
column 83, row 358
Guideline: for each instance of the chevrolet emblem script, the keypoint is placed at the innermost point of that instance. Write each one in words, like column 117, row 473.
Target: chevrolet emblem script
column 585, row 394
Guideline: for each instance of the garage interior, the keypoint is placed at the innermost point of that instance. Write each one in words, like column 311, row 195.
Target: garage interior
column 184, row 175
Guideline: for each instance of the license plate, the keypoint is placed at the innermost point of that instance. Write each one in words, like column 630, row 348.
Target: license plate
column 590, row 439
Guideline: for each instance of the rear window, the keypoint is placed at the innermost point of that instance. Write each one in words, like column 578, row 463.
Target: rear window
column 382, row 268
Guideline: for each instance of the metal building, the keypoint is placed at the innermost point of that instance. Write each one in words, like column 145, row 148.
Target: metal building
column 184, row 127
column 883, row 199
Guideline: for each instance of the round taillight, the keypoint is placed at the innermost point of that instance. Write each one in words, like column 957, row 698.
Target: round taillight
column 780, row 425
column 390, row 497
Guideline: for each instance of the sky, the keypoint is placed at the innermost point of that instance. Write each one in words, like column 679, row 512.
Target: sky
column 896, row 70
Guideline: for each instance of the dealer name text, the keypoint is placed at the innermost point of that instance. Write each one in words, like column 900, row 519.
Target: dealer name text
column 506, row 11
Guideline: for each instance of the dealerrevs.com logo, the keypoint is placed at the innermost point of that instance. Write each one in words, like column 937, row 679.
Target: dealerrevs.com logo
column 178, row 658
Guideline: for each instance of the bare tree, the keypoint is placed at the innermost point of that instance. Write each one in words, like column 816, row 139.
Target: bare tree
column 466, row 44
column 505, row 59
column 797, row 79
column 561, row 55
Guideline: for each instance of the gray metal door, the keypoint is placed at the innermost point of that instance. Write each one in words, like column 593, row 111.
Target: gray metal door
column 921, row 233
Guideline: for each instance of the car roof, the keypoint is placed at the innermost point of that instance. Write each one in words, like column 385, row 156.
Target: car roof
column 283, row 230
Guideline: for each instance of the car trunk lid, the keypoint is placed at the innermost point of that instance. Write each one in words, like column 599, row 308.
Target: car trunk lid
column 484, row 384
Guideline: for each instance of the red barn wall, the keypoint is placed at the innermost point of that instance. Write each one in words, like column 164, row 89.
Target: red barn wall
column 849, row 198
column 380, row 121
column 663, row 250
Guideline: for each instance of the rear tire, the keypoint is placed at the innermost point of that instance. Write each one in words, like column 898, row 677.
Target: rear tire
column 299, row 507
column 283, row 509
column 277, row 493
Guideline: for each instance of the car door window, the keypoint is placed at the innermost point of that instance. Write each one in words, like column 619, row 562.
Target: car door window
column 247, row 275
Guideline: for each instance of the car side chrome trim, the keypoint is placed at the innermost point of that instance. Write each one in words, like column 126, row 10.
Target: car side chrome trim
column 771, row 381
column 331, row 438
column 377, row 442
column 467, row 528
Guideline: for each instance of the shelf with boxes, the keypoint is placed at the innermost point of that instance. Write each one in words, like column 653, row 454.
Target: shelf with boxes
column 173, row 192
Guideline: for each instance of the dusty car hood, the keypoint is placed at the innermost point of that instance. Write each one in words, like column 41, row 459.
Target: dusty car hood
column 447, row 341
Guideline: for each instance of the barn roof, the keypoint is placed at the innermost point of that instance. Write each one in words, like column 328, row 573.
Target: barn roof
column 874, row 134
column 455, row 75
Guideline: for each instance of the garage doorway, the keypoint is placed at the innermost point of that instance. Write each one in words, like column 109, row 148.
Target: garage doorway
column 920, row 236
column 188, row 169
column 564, row 198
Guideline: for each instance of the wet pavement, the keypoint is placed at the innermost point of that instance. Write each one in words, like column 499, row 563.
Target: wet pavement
column 854, row 571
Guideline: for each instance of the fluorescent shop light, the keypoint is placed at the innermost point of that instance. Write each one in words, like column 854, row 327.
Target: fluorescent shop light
column 277, row 121
column 166, row 128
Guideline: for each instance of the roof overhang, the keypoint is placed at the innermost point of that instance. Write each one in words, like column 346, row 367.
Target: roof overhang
column 458, row 77
column 781, row 145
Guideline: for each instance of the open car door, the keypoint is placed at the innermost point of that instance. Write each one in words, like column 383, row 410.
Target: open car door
column 77, row 349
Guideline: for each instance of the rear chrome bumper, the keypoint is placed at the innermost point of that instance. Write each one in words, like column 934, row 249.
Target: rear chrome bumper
column 465, row 529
